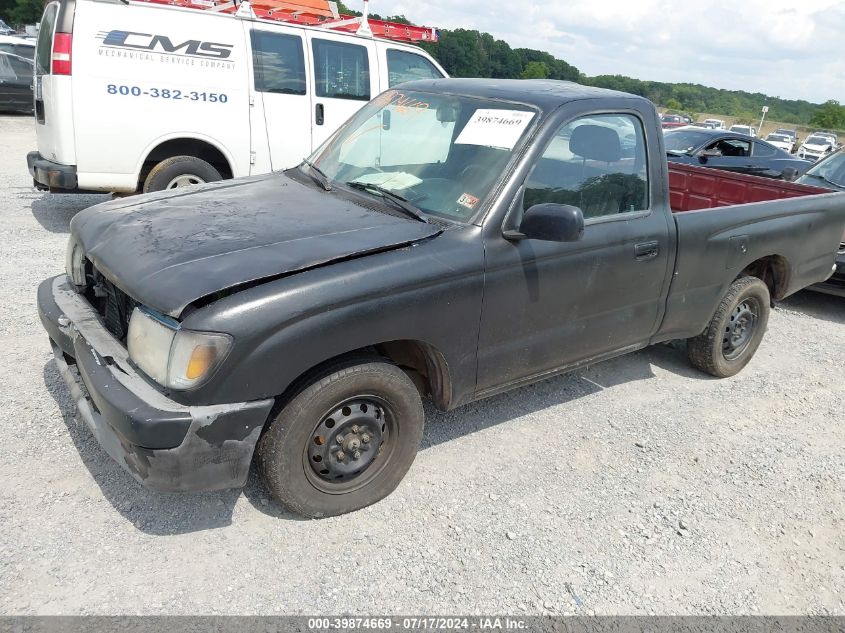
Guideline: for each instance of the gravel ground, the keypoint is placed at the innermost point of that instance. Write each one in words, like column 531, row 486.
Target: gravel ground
column 636, row 486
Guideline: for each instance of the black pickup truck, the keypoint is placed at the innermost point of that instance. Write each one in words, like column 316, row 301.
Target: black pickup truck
column 455, row 239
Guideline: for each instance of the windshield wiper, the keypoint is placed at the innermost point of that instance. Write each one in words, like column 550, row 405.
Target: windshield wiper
column 317, row 175
column 395, row 198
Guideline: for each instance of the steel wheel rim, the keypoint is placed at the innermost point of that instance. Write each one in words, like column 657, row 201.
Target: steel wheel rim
column 185, row 180
column 365, row 425
column 740, row 329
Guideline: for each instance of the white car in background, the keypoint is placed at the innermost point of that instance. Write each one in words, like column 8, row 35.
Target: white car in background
column 816, row 146
column 744, row 129
column 833, row 138
column 5, row 29
column 715, row 124
column 781, row 141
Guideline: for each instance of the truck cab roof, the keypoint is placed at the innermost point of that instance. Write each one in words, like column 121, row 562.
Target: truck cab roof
column 544, row 94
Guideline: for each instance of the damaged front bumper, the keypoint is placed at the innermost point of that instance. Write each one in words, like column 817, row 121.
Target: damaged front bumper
column 161, row 443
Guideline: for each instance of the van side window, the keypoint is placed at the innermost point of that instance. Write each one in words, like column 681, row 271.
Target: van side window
column 279, row 63
column 597, row 163
column 403, row 66
column 342, row 71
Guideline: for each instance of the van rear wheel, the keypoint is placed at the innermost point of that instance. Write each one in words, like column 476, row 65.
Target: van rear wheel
column 178, row 172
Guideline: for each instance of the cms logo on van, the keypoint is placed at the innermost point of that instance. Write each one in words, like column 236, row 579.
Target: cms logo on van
column 163, row 44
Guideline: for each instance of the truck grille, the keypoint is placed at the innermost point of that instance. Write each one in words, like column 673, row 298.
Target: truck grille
column 113, row 305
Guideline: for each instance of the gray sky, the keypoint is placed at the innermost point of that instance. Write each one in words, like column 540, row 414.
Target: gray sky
column 790, row 49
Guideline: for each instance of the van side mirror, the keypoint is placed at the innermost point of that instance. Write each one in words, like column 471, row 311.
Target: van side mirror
column 550, row 222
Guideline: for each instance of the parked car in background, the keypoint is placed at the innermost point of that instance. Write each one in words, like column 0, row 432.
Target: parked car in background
column 17, row 46
column 781, row 141
column 828, row 135
column 815, row 147
column 830, row 174
column 704, row 124
column 731, row 151
column 669, row 121
column 5, row 29
column 716, row 124
column 744, row 129
column 16, row 74
column 792, row 134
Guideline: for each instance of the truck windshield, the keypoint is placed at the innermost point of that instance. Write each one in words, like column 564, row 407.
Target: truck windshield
column 441, row 153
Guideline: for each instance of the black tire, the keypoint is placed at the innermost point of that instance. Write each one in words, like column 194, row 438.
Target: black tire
column 735, row 331
column 189, row 169
column 374, row 397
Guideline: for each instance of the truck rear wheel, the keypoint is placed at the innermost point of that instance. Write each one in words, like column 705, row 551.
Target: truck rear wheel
column 735, row 331
column 344, row 442
column 180, row 171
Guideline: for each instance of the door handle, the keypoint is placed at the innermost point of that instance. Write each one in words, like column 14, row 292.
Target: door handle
column 646, row 251
column 319, row 114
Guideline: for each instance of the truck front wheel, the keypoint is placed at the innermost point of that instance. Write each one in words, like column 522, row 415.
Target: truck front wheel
column 180, row 171
column 735, row 331
column 344, row 442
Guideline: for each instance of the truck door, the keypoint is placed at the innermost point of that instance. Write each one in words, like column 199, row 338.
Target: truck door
column 551, row 304
column 345, row 78
column 281, row 110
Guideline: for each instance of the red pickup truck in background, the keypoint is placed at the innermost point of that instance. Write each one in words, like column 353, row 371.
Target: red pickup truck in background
column 669, row 121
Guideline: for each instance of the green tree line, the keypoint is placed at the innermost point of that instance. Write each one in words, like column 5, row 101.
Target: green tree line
column 470, row 53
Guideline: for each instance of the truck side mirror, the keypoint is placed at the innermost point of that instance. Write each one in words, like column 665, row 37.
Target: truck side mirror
column 550, row 222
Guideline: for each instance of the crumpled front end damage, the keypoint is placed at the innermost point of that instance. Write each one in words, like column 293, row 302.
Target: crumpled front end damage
column 161, row 443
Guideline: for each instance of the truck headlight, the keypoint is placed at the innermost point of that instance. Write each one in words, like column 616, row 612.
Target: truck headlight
column 75, row 262
column 173, row 357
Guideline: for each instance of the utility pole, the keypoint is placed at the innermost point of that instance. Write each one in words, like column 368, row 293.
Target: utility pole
column 765, row 112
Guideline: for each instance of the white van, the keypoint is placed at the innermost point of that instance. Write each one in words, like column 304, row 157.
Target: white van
column 137, row 96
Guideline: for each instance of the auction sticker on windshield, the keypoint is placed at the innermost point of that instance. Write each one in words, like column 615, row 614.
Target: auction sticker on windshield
column 495, row 128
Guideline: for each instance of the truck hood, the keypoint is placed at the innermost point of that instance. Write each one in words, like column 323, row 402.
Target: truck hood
column 167, row 250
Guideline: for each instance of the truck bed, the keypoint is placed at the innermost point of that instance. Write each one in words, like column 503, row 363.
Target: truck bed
column 693, row 188
column 775, row 229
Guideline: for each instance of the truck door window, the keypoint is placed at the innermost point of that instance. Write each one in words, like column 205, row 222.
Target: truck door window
column 597, row 163
column 341, row 71
column 278, row 62
column 403, row 66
